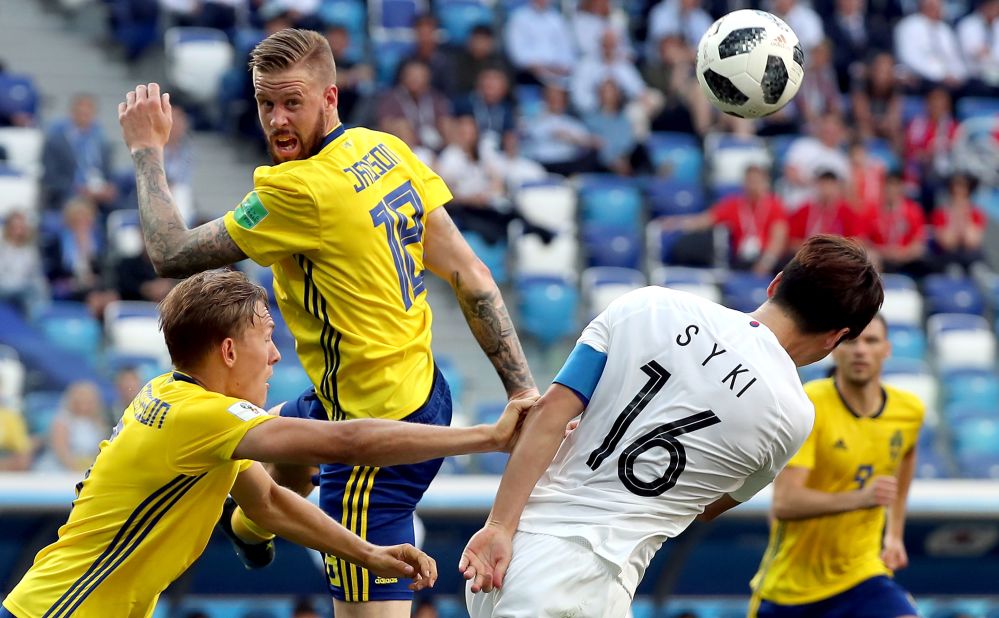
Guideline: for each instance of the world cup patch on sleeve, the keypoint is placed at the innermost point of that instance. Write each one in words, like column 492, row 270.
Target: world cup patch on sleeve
column 250, row 211
column 244, row 410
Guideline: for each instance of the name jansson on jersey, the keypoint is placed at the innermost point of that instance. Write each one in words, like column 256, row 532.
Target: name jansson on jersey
column 739, row 379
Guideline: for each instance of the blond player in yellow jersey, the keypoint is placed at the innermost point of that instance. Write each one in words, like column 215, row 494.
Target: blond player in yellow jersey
column 146, row 509
column 839, row 505
column 348, row 220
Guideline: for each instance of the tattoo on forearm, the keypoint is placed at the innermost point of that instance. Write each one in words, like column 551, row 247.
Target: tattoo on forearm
column 490, row 322
column 175, row 250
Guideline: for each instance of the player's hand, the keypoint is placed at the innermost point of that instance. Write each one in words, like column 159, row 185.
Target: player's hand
column 570, row 427
column 879, row 491
column 486, row 558
column 507, row 428
column 403, row 561
column 893, row 554
column 145, row 117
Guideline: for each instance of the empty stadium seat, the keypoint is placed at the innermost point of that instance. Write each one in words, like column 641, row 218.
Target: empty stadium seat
column 18, row 95
column 452, row 373
column 961, row 341
column 530, row 99
column 977, row 435
column 18, row 192
column 610, row 200
column 611, row 246
column 132, row 327
column 347, row 13
column 197, row 58
column 70, row 326
column 669, row 197
column 974, row 107
column 676, row 155
column 602, row 285
column 492, row 255
column 699, row 281
column 40, row 407
column 11, row 376
column 459, row 17
column 971, row 387
column 915, row 377
column 549, row 204
column 24, row 149
column 744, row 291
column 730, row 155
column 556, row 258
column 548, row 308
column 946, row 294
column 903, row 304
column 907, row 341
column 394, row 17
column 490, row 463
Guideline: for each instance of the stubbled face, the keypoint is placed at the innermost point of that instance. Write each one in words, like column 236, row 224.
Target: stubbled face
column 859, row 361
column 256, row 356
column 295, row 110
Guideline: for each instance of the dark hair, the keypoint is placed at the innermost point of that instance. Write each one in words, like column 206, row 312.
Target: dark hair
column 204, row 310
column 969, row 179
column 828, row 175
column 830, row 284
column 290, row 47
column 482, row 30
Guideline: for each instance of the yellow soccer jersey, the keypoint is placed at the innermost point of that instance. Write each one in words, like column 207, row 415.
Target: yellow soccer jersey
column 343, row 232
column 812, row 559
column 146, row 508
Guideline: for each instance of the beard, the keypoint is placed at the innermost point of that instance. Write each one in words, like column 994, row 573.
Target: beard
column 308, row 145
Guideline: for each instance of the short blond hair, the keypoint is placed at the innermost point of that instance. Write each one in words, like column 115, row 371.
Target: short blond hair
column 292, row 47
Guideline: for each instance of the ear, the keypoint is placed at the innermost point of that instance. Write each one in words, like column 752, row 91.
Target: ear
column 772, row 288
column 834, row 338
column 331, row 95
column 228, row 350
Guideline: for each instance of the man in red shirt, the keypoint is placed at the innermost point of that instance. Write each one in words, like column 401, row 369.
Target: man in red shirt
column 827, row 213
column 755, row 219
column 897, row 231
column 958, row 226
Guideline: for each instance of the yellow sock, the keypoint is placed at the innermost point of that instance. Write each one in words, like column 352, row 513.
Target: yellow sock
column 245, row 529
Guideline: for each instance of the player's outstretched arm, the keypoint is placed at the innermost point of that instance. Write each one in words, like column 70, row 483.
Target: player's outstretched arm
column 449, row 257
column 289, row 515
column 375, row 442
column 894, row 554
column 792, row 499
column 488, row 553
column 174, row 250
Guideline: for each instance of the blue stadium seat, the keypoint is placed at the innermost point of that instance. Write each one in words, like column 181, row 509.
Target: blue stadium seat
column 450, row 607
column 388, row 55
column 18, row 95
column 610, row 200
column 907, row 341
column 488, row 412
column 906, row 366
column 815, row 371
column 930, row 464
column 975, row 388
column 977, row 436
column 979, row 465
column 148, row 367
column 347, row 13
column 744, row 291
column 548, row 308
column 643, row 607
column 676, row 155
column 288, row 382
column 458, row 17
column 492, row 255
column 398, row 13
column 243, row 42
column 946, row 294
column 40, row 408
column 881, row 150
column 70, row 326
column 452, row 373
column 612, row 246
column 490, row 463
column 973, row 107
column 668, row 197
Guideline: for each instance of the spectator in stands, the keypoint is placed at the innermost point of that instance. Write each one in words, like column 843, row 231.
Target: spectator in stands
column 827, row 213
column 847, row 30
column 927, row 46
column 9, row 118
column 755, row 219
column 539, row 43
column 77, row 430
column 428, row 50
column 401, row 128
column 929, row 144
column 682, row 17
column 557, row 140
column 958, row 227
column 491, row 106
column 178, row 160
column 23, row 282
column 75, row 258
column 819, row 93
column 897, row 231
column 480, row 53
column 76, row 158
column 514, row 168
column 413, row 98
column 619, row 153
column 136, row 279
column 609, row 65
column 16, row 446
column 978, row 34
column 877, row 102
column 684, row 107
column 805, row 22
column 809, row 155
column 589, row 22
column 354, row 79
column 867, row 178
column 127, row 384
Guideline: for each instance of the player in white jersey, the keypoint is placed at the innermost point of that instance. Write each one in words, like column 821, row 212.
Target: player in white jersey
column 688, row 409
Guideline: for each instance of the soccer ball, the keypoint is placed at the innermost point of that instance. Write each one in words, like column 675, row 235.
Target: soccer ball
column 750, row 63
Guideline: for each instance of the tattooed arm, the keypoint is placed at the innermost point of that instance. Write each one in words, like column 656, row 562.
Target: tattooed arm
column 448, row 256
column 174, row 250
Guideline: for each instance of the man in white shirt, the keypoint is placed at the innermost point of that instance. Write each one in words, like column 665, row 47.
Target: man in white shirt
column 688, row 409
column 927, row 47
column 683, row 17
column 589, row 22
column 539, row 43
column 978, row 34
column 609, row 65
column 805, row 22
column 557, row 140
column 809, row 155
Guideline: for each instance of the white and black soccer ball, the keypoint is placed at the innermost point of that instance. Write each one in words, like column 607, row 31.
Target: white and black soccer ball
column 750, row 63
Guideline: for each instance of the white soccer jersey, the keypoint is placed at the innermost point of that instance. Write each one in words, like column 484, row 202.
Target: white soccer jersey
column 694, row 401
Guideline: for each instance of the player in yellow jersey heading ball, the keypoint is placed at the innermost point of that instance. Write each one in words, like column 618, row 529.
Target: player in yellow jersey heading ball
column 839, row 506
column 348, row 220
column 146, row 509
